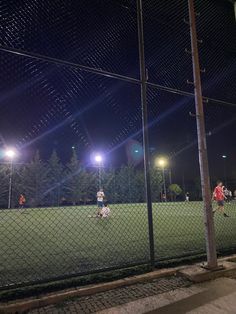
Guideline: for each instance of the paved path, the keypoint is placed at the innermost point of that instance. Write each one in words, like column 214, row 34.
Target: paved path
column 164, row 296
column 115, row 298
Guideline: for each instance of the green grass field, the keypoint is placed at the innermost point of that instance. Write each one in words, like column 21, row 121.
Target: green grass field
column 44, row 243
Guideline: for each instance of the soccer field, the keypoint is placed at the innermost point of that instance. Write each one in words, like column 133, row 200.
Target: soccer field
column 45, row 243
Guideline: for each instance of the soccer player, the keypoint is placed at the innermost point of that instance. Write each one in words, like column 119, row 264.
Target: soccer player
column 22, row 201
column 219, row 196
column 105, row 211
column 100, row 199
column 187, row 197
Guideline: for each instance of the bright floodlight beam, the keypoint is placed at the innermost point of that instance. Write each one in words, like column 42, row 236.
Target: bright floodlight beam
column 10, row 153
column 98, row 158
column 161, row 162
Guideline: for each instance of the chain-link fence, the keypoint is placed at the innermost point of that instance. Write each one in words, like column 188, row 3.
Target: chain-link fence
column 71, row 107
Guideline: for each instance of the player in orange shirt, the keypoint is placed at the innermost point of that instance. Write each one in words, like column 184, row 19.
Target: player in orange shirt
column 219, row 196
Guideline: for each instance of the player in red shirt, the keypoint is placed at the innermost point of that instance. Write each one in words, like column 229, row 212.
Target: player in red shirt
column 219, row 196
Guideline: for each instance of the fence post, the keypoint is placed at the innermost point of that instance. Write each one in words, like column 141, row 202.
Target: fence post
column 202, row 148
column 143, row 78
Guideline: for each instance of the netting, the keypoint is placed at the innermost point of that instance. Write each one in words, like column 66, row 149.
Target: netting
column 70, row 105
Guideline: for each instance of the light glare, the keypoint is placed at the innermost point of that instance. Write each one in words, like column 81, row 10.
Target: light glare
column 161, row 162
column 10, row 153
column 98, row 158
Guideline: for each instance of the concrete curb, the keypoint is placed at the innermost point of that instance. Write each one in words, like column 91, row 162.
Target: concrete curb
column 52, row 298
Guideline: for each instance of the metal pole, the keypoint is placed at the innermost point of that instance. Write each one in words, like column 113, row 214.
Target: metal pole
column 143, row 78
column 170, row 181
column 129, row 186
column 224, row 167
column 183, row 182
column 202, row 148
column 164, row 182
column 10, row 184
column 235, row 10
column 170, row 176
column 100, row 176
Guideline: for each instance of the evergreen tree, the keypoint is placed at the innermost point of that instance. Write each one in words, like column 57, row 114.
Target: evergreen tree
column 156, row 183
column 18, row 183
column 4, row 184
column 109, row 185
column 80, row 185
column 35, row 178
column 55, row 179
column 175, row 190
column 129, row 185
column 140, row 186
column 88, row 182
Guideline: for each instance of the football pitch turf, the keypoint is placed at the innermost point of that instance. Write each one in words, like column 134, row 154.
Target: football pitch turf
column 43, row 243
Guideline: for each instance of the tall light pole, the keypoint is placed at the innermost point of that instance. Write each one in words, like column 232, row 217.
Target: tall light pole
column 170, row 182
column 224, row 165
column 99, row 159
column 10, row 154
column 162, row 163
column 202, row 147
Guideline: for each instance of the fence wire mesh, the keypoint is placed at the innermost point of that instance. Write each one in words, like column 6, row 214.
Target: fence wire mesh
column 78, row 129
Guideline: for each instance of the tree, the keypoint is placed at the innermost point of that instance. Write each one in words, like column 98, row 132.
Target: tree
column 55, row 177
column 4, row 184
column 18, row 183
column 109, row 185
column 126, row 185
column 156, row 183
column 129, row 185
column 140, row 186
column 197, row 192
column 80, row 184
column 175, row 190
column 35, row 181
column 89, row 187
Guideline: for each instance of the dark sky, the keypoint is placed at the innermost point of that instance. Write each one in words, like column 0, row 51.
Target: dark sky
column 46, row 106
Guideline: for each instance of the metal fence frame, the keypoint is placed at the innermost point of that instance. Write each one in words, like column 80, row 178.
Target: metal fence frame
column 143, row 83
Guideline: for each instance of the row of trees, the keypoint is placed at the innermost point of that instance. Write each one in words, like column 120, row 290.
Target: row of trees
column 51, row 183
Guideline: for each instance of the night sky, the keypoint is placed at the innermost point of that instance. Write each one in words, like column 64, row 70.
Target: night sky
column 47, row 106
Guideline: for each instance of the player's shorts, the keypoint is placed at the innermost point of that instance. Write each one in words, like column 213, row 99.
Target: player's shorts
column 100, row 204
column 220, row 203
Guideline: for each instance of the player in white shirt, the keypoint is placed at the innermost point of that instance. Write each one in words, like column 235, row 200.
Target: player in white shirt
column 105, row 211
column 100, row 199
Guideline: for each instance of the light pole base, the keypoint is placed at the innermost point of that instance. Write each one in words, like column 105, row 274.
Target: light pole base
column 216, row 268
column 200, row 273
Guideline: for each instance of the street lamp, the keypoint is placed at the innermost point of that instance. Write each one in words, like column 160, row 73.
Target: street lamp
column 162, row 163
column 99, row 159
column 10, row 155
